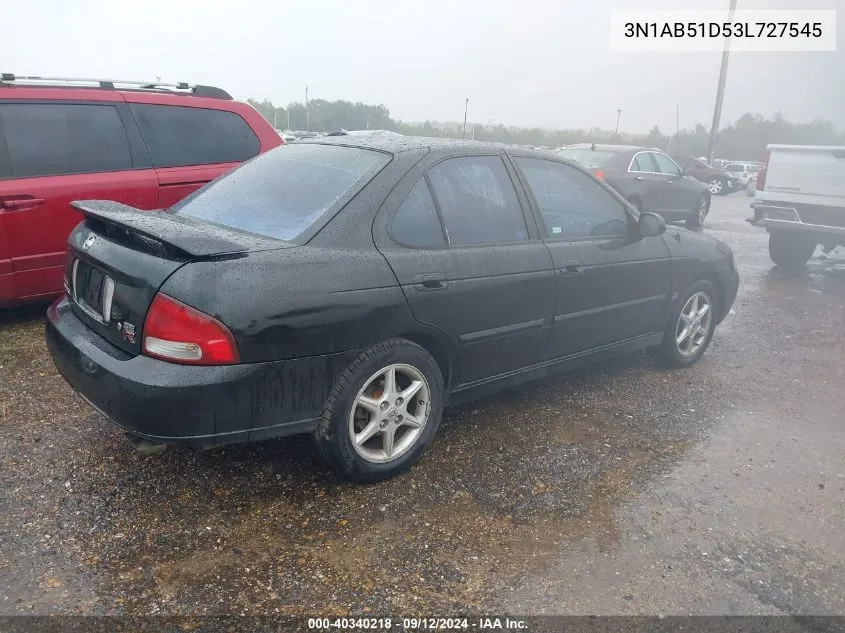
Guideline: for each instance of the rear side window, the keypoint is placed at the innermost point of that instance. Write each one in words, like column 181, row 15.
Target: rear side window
column 587, row 157
column 416, row 222
column 643, row 162
column 178, row 136
column 665, row 164
column 477, row 201
column 50, row 139
column 283, row 192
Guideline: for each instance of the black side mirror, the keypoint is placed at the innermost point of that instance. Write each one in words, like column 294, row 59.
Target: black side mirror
column 651, row 225
column 685, row 171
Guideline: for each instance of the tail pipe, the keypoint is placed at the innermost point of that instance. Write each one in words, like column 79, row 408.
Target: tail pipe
column 145, row 446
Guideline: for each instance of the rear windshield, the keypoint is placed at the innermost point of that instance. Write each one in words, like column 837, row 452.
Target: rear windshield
column 283, row 192
column 735, row 168
column 586, row 157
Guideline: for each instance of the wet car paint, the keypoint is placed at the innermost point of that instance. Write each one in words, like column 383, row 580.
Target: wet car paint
column 506, row 317
column 620, row 490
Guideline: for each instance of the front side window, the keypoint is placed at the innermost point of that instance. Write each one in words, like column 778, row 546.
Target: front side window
column 52, row 139
column 477, row 201
column 283, row 192
column 572, row 204
column 179, row 136
column 665, row 165
column 416, row 222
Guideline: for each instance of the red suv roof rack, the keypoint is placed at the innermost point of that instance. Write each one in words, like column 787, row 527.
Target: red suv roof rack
column 116, row 84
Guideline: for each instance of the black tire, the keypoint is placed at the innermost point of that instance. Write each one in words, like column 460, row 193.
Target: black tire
column 333, row 438
column 702, row 208
column 667, row 353
column 718, row 186
column 790, row 251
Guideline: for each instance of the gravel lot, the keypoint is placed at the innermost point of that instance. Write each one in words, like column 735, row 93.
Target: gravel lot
column 624, row 489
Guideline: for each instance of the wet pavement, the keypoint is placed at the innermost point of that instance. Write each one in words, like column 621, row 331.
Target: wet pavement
column 623, row 489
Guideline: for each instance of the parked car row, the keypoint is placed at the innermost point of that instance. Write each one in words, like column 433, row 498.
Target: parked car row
column 459, row 268
column 144, row 144
column 718, row 180
column 647, row 178
column 349, row 286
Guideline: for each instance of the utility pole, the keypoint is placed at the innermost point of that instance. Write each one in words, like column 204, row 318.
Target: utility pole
column 618, row 114
column 466, row 107
column 677, row 130
column 275, row 117
column 720, row 90
column 306, row 108
column 288, row 117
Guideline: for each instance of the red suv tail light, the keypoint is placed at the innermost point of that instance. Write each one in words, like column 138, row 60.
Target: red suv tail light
column 599, row 173
column 761, row 175
column 179, row 333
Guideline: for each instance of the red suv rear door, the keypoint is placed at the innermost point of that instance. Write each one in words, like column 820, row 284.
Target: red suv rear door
column 191, row 144
column 60, row 150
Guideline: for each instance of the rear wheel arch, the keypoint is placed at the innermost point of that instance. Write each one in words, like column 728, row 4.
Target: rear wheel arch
column 440, row 350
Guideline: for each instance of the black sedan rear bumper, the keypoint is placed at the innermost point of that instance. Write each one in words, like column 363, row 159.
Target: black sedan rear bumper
column 180, row 404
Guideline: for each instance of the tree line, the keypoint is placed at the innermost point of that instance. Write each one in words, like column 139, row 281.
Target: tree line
column 743, row 139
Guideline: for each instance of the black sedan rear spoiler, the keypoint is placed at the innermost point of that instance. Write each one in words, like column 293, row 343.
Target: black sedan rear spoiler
column 192, row 237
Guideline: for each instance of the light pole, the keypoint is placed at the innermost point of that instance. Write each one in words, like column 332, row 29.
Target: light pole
column 466, row 107
column 618, row 114
column 677, row 130
column 306, row 108
column 720, row 90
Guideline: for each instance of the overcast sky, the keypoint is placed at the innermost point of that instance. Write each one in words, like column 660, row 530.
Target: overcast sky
column 521, row 62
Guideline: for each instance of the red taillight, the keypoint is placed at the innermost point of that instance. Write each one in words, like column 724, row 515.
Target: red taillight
column 761, row 175
column 179, row 333
column 599, row 173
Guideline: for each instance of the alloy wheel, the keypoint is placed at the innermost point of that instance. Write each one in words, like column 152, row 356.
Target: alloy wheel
column 389, row 413
column 694, row 324
column 715, row 186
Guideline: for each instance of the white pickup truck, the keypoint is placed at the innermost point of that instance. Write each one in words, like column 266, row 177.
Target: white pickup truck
column 800, row 200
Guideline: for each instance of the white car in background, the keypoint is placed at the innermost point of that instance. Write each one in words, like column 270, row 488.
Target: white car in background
column 800, row 201
column 287, row 135
column 742, row 171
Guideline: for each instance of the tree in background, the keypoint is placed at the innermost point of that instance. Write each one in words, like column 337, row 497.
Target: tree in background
column 326, row 116
column 745, row 139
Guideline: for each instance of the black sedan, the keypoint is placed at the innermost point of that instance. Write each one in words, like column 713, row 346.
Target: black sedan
column 351, row 288
column 647, row 178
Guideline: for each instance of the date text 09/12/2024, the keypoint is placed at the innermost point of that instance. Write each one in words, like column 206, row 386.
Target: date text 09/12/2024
column 416, row 624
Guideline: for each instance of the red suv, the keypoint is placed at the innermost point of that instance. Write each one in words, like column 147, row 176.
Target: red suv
column 144, row 144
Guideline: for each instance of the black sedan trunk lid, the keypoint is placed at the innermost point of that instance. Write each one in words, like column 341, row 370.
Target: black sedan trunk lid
column 119, row 257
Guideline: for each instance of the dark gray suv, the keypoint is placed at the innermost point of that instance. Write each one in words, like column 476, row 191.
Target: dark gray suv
column 647, row 178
